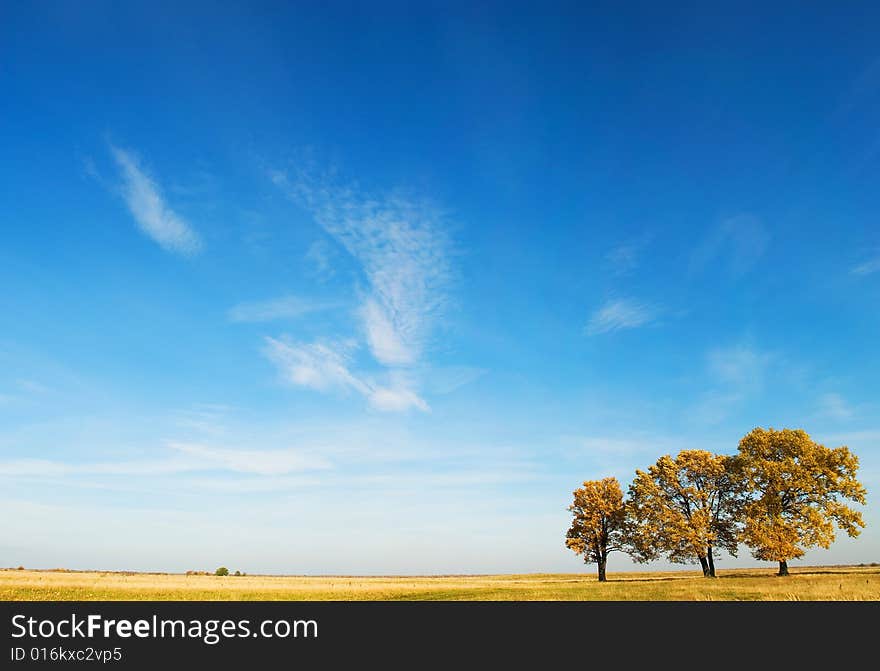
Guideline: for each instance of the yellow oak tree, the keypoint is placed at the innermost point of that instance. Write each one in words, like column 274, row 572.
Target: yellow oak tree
column 796, row 491
column 599, row 520
column 685, row 507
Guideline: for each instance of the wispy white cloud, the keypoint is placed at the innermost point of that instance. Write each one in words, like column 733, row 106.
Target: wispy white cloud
column 32, row 386
column 283, row 307
column 868, row 267
column 319, row 366
column 403, row 250
column 835, row 406
column 386, row 340
column 715, row 406
column 625, row 258
column 270, row 473
column 619, row 454
column 319, row 255
column 619, row 314
column 203, row 418
column 460, row 478
column 738, row 243
column 326, row 367
column 184, row 458
column 740, row 365
column 24, row 389
column 736, row 373
column 147, row 205
column 613, row 445
column 868, row 437
column 446, row 379
column 627, row 445
column 396, row 399
column 259, row 462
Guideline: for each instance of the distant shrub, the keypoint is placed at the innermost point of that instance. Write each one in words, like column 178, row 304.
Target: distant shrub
column 222, row 571
column 20, row 568
column 238, row 573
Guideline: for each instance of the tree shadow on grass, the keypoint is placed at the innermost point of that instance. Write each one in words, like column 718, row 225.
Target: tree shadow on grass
column 624, row 581
column 866, row 571
column 809, row 571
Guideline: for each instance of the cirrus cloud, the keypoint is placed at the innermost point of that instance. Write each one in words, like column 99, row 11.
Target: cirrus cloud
column 619, row 314
column 325, row 367
column 403, row 251
column 144, row 199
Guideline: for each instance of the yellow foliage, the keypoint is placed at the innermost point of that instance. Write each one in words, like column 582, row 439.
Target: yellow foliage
column 797, row 486
column 685, row 507
column 599, row 519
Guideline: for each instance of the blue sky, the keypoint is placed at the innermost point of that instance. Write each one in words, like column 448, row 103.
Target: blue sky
column 338, row 288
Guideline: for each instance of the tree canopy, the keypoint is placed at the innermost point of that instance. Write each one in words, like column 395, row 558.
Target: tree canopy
column 686, row 508
column 598, row 527
column 780, row 494
column 798, row 488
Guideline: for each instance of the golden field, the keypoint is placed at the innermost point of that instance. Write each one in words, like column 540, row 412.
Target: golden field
column 853, row 583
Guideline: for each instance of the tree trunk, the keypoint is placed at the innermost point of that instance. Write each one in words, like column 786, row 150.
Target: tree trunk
column 705, row 566
column 711, row 561
column 602, row 563
column 783, row 568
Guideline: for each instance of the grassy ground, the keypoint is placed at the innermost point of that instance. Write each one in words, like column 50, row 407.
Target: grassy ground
column 805, row 584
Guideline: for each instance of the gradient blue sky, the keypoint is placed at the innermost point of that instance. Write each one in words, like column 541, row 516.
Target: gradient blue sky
column 338, row 288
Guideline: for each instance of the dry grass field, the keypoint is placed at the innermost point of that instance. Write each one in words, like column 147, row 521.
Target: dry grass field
column 805, row 584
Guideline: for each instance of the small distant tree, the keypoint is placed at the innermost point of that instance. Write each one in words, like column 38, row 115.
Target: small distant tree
column 222, row 571
column 598, row 527
column 238, row 573
column 797, row 488
column 685, row 507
